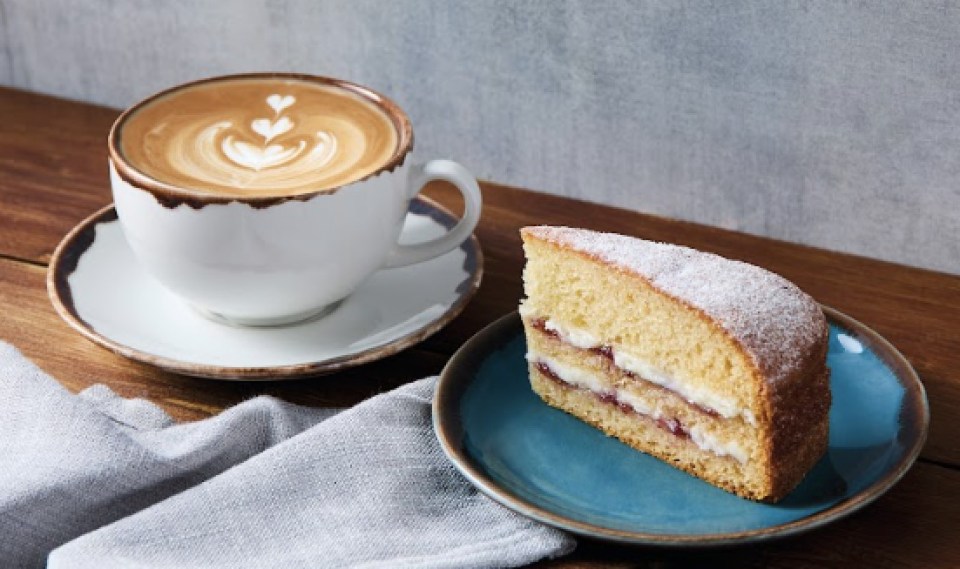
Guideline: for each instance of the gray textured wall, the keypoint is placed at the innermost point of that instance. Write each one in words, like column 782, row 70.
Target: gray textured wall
column 830, row 123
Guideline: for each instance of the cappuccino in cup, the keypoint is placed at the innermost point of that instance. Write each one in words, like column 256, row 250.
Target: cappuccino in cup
column 264, row 199
column 259, row 137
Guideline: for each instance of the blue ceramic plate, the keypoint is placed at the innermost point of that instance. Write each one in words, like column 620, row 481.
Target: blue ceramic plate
column 551, row 467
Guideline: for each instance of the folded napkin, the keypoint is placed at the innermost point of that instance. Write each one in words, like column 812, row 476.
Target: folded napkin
column 110, row 482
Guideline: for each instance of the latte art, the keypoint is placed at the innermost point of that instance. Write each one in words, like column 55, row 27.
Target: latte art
column 259, row 137
column 269, row 155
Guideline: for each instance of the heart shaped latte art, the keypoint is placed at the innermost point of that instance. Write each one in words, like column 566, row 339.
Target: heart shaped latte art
column 278, row 103
column 259, row 157
column 269, row 129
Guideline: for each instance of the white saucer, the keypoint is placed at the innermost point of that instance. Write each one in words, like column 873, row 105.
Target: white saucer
column 99, row 288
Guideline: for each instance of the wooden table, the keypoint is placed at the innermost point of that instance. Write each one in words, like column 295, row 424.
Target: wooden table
column 53, row 173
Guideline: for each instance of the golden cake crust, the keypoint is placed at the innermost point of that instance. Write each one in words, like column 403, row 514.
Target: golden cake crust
column 779, row 326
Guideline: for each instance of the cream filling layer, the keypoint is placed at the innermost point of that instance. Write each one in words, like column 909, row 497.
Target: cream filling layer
column 590, row 382
column 724, row 406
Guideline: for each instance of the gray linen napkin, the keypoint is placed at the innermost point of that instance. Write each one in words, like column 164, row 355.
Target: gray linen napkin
column 69, row 464
column 367, row 487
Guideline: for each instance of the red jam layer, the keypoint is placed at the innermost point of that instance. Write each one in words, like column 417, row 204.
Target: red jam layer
column 672, row 426
column 606, row 351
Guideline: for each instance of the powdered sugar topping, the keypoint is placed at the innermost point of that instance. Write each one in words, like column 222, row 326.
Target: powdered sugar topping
column 774, row 321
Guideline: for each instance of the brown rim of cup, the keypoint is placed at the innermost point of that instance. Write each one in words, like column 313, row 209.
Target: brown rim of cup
column 169, row 195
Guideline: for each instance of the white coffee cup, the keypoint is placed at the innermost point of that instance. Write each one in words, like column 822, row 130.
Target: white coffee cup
column 277, row 258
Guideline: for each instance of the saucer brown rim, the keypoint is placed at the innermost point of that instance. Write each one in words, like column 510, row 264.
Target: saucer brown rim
column 459, row 373
column 72, row 247
column 170, row 195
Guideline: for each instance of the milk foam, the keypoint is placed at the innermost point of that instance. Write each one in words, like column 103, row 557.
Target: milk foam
column 263, row 136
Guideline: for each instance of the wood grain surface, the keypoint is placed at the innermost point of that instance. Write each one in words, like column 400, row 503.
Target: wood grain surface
column 53, row 173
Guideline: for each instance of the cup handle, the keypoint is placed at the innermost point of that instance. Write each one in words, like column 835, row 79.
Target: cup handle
column 460, row 177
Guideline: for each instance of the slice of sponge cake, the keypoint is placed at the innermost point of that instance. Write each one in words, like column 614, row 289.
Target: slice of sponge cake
column 712, row 365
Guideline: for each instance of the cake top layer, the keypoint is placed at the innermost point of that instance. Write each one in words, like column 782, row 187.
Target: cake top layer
column 772, row 319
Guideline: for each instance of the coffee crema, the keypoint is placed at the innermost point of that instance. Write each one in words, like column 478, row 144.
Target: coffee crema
column 258, row 137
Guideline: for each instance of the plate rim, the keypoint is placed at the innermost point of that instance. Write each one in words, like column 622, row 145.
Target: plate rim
column 448, row 429
column 78, row 240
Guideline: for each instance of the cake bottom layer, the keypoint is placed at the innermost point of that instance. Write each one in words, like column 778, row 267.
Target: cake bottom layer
column 595, row 370
column 645, row 434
